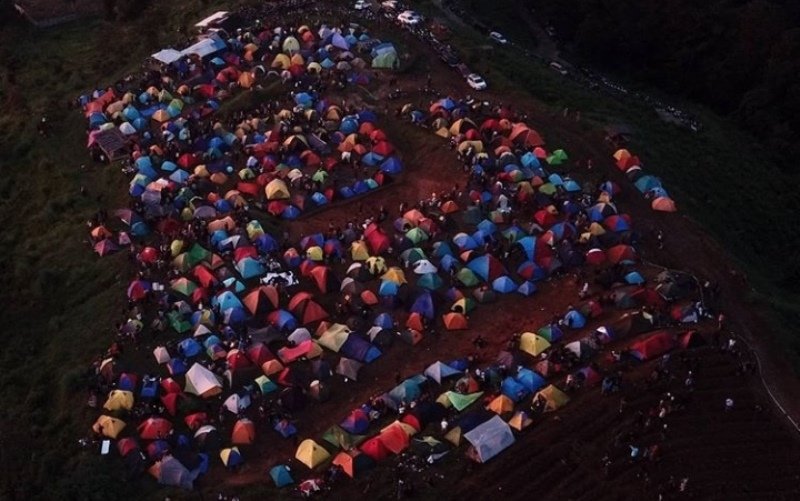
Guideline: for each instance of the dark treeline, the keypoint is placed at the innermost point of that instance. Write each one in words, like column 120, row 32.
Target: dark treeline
column 740, row 57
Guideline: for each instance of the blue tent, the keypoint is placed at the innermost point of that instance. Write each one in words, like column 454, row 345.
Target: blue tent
column 465, row 242
column 384, row 321
column 424, row 305
column 406, row 391
column 266, row 243
column 319, row 199
column 285, row 428
column 176, row 367
column 438, row 371
column 280, row 475
column 346, row 192
column 634, row 277
column 189, row 347
column 388, row 288
column 513, row 389
column 349, row 125
column 392, row 165
column 283, row 320
column 530, row 380
column 530, row 160
column 226, row 300
column 527, row 288
column 528, row 245
column 290, row 212
column 574, row 320
column 234, row 316
column 442, row 249
column 371, row 159
column 249, row 268
column 647, row 183
column 448, row 262
column 504, row 285
column 357, row 348
column 487, row 227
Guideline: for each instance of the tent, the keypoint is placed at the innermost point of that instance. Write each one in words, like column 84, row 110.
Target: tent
column 553, row 397
column 353, row 462
column 490, row 438
column 438, row 371
column 202, row 382
column 653, row 345
column 533, row 344
column 311, row 453
column 281, row 476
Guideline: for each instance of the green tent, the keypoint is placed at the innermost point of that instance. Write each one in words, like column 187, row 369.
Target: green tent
column 387, row 60
column 460, row 401
column 338, row 437
column 558, row 157
column 416, row 235
column 467, row 277
column 197, row 254
column 177, row 322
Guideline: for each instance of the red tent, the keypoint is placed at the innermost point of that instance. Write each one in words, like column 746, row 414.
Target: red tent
column 375, row 449
column 653, row 345
column 155, row 428
column 394, row 438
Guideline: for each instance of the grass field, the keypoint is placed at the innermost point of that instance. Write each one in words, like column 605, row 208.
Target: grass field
column 59, row 302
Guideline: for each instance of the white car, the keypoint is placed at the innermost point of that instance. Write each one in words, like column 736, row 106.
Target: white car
column 476, row 81
column 409, row 18
column 497, row 37
column 361, row 5
column 389, row 5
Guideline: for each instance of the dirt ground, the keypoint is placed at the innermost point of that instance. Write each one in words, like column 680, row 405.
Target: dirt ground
column 748, row 453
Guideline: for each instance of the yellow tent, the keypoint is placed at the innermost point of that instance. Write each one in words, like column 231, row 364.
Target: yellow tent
column 254, row 229
column 501, row 405
column 622, row 154
column 281, row 61
column 454, row 436
column 311, row 453
column 315, row 253
column 276, row 190
column 359, row 251
column 462, row 125
column 520, row 421
column 596, row 229
column 161, row 116
column 334, row 337
column 314, row 67
column 443, row 132
column 533, row 344
column 108, row 426
column 476, row 145
column 119, row 399
column 554, row 398
column 407, row 428
column 394, row 274
column 376, row 264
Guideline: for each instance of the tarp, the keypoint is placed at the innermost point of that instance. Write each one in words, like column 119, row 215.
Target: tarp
column 490, row 438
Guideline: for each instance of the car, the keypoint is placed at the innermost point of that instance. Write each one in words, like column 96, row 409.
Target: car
column 497, row 37
column 361, row 5
column 389, row 5
column 409, row 18
column 476, row 81
column 557, row 66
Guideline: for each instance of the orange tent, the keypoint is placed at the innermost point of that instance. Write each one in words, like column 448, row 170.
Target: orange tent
column 664, row 204
column 455, row 321
column 353, row 462
column 244, row 432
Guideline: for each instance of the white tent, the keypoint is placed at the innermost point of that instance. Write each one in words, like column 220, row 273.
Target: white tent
column 161, row 354
column 205, row 47
column 167, row 56
column 202, row 382
column 438, row 371
column 424, row 266
column 490, row 438
column 237, row 403
column 172, row 472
